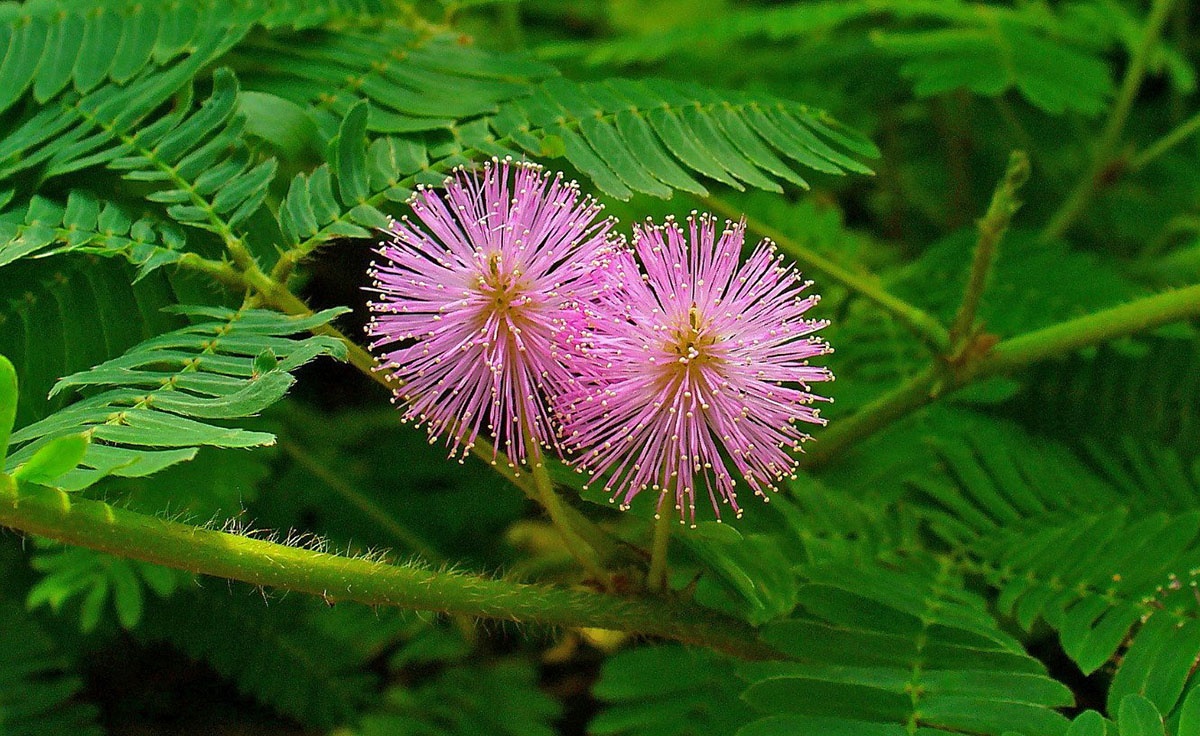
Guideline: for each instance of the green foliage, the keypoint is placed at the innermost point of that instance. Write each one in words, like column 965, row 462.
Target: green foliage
column 1054, row 61
column 1027, row 566
column 37, row 684
column 85, row 225
column 415, row 80
column 70, row 572
column 668, row 690
column 501, row 698
column 164, row 393
column 272, row 649
column 65, row 314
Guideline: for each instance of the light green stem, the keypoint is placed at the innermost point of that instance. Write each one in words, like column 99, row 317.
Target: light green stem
column 579, row 548
column 1181, row 133
column 1079, row 199
column 656, row 578
column 1007, row 356
column 53, row 514
column 921, row 323
column 991, row 229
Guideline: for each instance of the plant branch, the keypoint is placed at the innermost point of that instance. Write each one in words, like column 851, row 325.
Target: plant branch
column 991, row 229
column 54, row 514
column 1181, row 133
column 583, row 552
column 1100, row 170
column 656, row 578
column 1007, row 356
column 921, row 323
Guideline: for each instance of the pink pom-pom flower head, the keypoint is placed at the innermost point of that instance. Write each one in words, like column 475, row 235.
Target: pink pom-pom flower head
column 701, row 367
column 474, row 298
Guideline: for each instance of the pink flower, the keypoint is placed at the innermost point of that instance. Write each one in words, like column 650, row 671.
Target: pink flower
column 701, row 370
column 474, row 301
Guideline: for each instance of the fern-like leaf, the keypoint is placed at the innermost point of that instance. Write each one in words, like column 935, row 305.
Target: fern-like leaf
column 884, row 651
column 415, row 81
column 651, row 136
column 992, row 56
column 669, row 690
column 87, row 225
column 50, row 46
column 75, row 130
column 156, row 402
column 464, row 700
column 64, row 314
column 209, row 178
column 1052, row 61
column 73, row 572
column 1090, row 553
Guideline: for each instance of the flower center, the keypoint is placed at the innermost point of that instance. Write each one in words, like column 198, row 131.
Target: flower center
column 692, row 341
column 504, row 290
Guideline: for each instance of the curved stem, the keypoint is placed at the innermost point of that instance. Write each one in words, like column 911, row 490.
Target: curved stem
column 51, row 513
column 656, row 578
column 921, row 323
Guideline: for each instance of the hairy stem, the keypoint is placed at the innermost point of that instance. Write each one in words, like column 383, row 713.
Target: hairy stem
column 991, row 229
column 1009, row 355
column 656, row 578
column 53, row 514
column 921, row 323
column 1085, row 190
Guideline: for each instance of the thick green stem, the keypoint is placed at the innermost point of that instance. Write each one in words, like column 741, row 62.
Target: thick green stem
column 656, row 578
column 1093, row 329
column 579, row 548
column 924, row 325
column 1099, row 171
column 1007, row 356
column 54, row 514
column 991, row 229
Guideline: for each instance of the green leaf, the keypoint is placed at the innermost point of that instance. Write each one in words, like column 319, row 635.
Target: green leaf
column 991, row 59
column 1189, row 714
column 54, row 459
column 1088, row 723
column 790, row 725
column 93, row 578
column 156, row 394
column 350, row 155
column 667, row 690
column 279, row 121
column 8, row 403
column 250, row 642
column 1138, row 717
